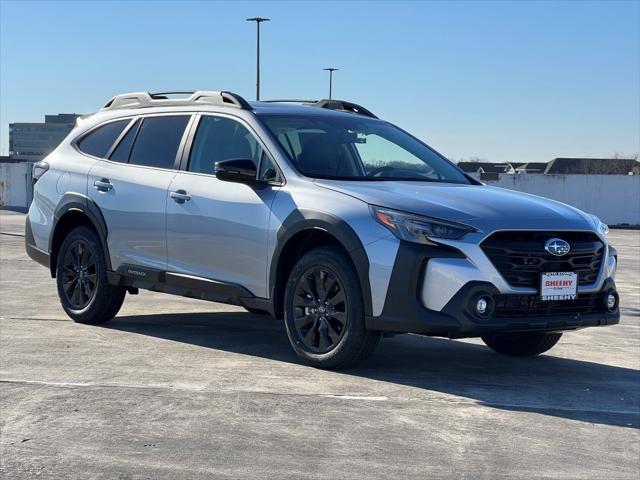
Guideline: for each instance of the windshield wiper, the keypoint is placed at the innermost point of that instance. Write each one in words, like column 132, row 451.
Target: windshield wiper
column 408, row 179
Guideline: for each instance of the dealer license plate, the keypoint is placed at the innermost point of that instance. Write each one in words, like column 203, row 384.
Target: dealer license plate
column 559, row 286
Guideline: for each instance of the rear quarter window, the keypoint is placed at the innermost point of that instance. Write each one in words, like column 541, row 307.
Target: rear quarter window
column 99, row 141
column 122, row 151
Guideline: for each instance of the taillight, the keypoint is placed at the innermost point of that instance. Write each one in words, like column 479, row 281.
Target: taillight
column 39, row 169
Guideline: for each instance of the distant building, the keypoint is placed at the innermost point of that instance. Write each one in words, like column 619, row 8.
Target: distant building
column 8, row 159
column 486, row 167
column 593, row 166
column 557, row 166
column 32, row 142
column 530, row 167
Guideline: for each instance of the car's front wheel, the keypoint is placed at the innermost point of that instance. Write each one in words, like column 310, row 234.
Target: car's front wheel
column 521, row 344
column 81, row 275
column 324, row 312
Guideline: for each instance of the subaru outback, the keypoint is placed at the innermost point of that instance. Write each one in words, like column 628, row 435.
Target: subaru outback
column 315, row 212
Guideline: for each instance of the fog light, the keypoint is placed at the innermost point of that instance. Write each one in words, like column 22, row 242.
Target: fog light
column 611, row 301
column 481, row 306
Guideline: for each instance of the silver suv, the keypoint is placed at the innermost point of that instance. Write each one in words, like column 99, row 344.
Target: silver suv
column 317, row 212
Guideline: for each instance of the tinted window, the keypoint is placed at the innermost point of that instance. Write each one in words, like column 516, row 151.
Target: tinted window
column 98, row 142
column 121, row 153
column 268, row 172
column 220, row 138
column 158, row 140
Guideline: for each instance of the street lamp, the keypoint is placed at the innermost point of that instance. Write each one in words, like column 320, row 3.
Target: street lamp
column 258, row 21
column 330, row 70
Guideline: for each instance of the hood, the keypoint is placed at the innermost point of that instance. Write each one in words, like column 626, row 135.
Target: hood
column 481, row 206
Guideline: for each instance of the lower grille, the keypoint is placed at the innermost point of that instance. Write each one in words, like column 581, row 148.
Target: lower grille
column 528, row 305
column 520, row 256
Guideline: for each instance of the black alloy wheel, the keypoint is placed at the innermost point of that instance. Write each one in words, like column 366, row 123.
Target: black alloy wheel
column 324, row 313
column 320, row 309
column 80, row 278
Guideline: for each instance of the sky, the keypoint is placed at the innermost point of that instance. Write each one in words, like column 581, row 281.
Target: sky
column 502, row 81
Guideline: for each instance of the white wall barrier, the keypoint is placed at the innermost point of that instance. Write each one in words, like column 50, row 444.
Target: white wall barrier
column 613, row 198
column 15, row 184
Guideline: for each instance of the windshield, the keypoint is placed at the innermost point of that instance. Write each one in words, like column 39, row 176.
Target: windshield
column 351, row 147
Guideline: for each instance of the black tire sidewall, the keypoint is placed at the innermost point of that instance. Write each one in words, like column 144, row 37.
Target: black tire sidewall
column 339, row 265
column 86, row 235
column 106, row 298
column 522, row 344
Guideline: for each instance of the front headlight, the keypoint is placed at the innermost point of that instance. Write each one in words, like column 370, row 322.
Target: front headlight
column 602, row 227
column 416, row 228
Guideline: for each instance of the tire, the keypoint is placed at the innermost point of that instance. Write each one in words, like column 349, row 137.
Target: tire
column 324, row 311
column 83, row 288
column 521, row 344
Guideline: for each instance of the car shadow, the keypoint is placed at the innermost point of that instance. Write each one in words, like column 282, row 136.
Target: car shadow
column 548, row 385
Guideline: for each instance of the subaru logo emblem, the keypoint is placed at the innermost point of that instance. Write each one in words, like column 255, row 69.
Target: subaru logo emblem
column 557, row 247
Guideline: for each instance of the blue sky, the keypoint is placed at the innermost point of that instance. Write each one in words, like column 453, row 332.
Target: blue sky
column 505, row 81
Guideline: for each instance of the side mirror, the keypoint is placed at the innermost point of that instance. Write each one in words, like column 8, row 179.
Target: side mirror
column 238, row 170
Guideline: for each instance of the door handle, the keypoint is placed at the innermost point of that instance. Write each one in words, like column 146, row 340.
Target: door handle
column 180, row 196
column 103, row 185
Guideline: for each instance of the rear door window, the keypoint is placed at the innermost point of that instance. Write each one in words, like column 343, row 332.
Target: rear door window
column 99, row 141
column 157, row 142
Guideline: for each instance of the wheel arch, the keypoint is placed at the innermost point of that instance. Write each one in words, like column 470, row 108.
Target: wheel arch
column 74, row 210
column 304, row 230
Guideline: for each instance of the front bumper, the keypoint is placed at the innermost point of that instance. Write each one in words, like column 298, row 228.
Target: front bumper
column 414, row 282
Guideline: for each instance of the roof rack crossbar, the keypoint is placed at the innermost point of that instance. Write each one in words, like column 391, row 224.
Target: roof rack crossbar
column 165, row 95
column 146, row 99
column 341, row 105
column 344, row 106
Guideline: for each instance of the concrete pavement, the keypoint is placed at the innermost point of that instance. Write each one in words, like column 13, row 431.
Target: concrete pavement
column 181, row 388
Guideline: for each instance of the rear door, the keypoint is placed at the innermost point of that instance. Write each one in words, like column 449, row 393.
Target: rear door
column 219, row 230
column 130, row 187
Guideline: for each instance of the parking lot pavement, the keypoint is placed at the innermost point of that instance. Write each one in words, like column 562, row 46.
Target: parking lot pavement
column 179, row 388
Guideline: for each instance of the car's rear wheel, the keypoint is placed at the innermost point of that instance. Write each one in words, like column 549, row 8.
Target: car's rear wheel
column 81, row 276
column 522, row 344
column 324, row 312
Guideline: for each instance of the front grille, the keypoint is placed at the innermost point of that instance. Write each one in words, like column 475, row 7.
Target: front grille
column 520, row 256
column 529, row 305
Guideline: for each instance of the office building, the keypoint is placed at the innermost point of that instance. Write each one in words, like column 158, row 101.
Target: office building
column 33, row 141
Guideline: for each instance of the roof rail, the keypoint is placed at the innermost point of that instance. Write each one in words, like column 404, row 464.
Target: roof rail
column 288, row 101
column 341, row 105
column 146, row 99
column 344, row 106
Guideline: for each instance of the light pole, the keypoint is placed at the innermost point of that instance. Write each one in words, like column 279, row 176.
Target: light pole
column 258, row 21
column 330, row 70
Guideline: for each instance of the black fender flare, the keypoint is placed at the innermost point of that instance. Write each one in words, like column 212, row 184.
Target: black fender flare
column 76, row 202
column 306, row 219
